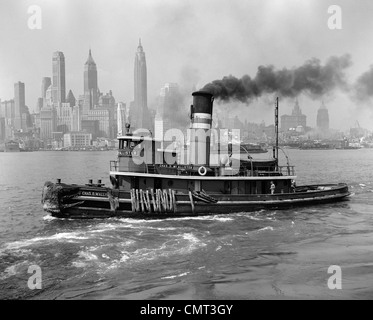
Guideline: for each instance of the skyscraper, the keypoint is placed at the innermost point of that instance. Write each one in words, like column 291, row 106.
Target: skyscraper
column 45, row 83
column 19, row 102
column 39, row 105
column 295, row 120
column 90, row 80
column 168, row 96
column 140, row 115
column 71, row 99
column 58, row 81
column 168, row 109
column 322, row 121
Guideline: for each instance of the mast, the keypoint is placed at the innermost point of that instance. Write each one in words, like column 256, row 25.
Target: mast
column 276, row 128
column 119, row 120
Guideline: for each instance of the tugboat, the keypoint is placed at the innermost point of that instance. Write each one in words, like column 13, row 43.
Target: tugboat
column 11, row 146
column 150, row 181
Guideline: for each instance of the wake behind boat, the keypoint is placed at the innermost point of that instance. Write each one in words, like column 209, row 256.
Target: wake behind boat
column 151, row 181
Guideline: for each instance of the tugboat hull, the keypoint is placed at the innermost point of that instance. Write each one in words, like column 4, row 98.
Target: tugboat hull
column 101, row 202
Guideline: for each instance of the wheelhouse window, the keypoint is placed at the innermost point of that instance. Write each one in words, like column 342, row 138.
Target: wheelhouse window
column 123, row 144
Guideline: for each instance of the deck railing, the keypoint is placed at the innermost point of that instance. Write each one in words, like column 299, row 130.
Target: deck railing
column 184, row 170
column 267, row 171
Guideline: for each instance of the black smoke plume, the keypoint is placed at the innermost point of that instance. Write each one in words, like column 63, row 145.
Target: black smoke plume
column 311, row 78
column 363, row 88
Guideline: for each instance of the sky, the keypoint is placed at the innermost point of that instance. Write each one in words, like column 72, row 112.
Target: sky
column 191, row 42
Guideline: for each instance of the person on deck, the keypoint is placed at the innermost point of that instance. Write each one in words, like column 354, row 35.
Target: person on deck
column 273, row 187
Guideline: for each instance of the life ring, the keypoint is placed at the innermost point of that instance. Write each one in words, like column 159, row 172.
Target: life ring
column 202, row 171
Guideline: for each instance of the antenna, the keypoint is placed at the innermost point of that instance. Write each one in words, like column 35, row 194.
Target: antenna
column 276, row 128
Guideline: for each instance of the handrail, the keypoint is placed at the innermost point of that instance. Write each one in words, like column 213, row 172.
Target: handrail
column 244, row 172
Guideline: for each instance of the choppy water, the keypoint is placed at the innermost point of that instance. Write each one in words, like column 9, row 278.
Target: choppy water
column 257, row 255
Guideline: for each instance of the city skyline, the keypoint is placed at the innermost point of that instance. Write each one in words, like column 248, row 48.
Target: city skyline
column 92, row 93
column 185, row 45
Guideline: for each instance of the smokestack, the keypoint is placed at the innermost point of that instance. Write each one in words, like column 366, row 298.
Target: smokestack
column 200, row 128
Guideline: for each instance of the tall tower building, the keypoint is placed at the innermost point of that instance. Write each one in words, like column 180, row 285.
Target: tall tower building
column 19, row 104
column 90, row 80
column 322, row 121
column 140, row 117
column 39, row 104
column 71, row 99
column 295, row 120
column 58, row 81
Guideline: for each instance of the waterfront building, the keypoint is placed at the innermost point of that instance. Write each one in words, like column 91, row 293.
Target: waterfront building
column 47, row 123
column 7, row 112
column 92, row 127
column 57, row 140
column 2, row 129
column 77, row 139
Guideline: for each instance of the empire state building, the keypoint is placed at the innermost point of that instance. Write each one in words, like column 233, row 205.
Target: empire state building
column 140, row 115
column 90, row 84
column 322, row 121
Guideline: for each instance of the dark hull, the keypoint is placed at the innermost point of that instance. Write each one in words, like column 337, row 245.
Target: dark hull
column 92, row 206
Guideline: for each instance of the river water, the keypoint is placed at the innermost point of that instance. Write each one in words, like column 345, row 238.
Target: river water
column 257, row 255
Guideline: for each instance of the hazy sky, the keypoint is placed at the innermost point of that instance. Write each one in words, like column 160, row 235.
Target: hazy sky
column 189, row 42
